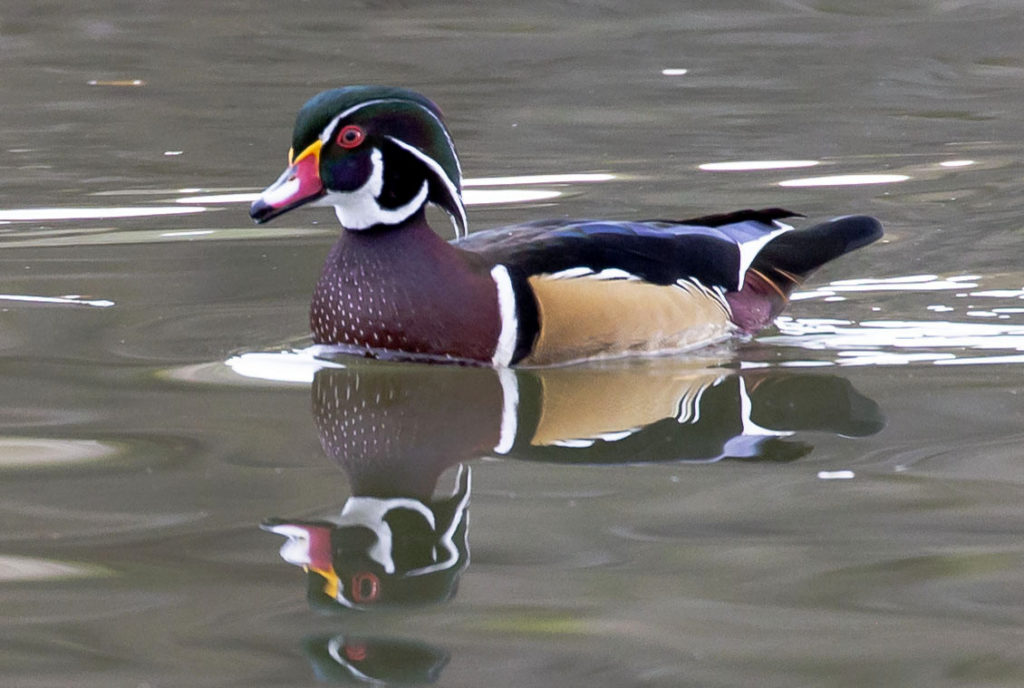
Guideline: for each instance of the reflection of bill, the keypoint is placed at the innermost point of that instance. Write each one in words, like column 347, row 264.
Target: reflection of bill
column 395, row 428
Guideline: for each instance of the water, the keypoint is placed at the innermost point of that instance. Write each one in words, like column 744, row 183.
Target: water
column 163, row 413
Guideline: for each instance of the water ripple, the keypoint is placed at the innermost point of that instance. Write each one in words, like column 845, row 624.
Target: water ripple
column 994, row 333
column 890, row 342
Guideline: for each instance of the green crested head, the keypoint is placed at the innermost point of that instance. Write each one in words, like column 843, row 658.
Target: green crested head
column 377, row 154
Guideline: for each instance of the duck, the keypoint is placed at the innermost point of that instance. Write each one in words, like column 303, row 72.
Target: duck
column 544, row 292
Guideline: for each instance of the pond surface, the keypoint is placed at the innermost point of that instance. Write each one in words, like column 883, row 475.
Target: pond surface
column 191, row 497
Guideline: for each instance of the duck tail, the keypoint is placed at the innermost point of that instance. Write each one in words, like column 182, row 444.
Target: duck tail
column 801, row 252
column 787, row 260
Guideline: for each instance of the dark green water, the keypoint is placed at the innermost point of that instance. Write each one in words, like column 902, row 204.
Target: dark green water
column 839, row 502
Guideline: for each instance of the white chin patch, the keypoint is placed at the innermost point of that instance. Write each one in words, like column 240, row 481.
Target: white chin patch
column 360, row 209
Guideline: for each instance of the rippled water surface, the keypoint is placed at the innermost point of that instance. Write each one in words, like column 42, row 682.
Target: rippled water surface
column 192, row 496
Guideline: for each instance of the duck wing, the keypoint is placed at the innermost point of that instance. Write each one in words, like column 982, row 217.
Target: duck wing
column 715, row 250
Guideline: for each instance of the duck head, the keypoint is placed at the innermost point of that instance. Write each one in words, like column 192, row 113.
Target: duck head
column 376, row 154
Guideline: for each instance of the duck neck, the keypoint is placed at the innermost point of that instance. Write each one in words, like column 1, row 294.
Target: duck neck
column 404, row 289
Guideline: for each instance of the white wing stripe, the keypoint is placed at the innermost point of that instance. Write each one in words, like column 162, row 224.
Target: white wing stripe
column 750, row 249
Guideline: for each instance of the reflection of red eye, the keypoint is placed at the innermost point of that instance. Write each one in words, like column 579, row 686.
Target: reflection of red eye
column 365, row 587
column 350, row 136
column 357, row 652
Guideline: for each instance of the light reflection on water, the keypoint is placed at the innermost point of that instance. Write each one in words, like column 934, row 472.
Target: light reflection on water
column 913, row 283
column 67, row 299
column 754, row 165
column 881, row 341
column 924, row 170
column 846, row 180
column 44, row 452
column 284, row 366
column 529, row 179
column 23, row 569
column 47, row 214
column 884, row 342
column 478, row 192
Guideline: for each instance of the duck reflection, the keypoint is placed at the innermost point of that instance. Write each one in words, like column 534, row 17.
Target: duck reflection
column 394, row 429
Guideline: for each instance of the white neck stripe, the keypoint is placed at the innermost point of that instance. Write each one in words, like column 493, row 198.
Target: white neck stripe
column 461, row 225
column 360, row 209
column 506, row 346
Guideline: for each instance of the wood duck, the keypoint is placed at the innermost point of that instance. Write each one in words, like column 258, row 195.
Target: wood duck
column 540, row 293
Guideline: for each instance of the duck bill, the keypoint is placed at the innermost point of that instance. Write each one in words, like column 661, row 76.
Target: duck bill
column 308, row 543
column 300, row 184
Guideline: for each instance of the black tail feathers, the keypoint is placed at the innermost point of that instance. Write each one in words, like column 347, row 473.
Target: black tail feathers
column 791, row 257
column 788, row 259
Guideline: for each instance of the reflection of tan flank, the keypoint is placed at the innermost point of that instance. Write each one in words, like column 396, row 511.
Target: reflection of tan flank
column 586, row 403
column 587, row 316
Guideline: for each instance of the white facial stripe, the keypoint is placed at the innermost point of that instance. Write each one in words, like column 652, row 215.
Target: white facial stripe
column 443, row 176
column 360, row 209
column 326, row 133
column 506, row 347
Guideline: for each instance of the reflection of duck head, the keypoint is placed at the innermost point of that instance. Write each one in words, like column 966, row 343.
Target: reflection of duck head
column 395, row 428
column 389, row 429
column 382, row 550
column 342, row 659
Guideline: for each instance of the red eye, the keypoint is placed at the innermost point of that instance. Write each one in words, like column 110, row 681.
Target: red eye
column 350, row 136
